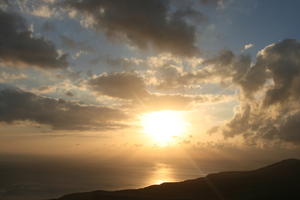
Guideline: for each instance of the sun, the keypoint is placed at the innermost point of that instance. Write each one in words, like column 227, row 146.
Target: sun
column 163, row 126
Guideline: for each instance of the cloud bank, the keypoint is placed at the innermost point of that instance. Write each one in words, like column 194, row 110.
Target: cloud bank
column 18, row 105
column 148, row 23
column 270, row 91
column 132, row 87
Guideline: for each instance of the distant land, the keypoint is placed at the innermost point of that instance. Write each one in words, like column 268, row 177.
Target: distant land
column 278, row 181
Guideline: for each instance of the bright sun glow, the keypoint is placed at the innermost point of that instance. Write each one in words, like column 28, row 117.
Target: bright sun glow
column 163, row 126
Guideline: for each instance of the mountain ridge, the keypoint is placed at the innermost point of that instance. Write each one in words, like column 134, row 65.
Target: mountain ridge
column 280, row 180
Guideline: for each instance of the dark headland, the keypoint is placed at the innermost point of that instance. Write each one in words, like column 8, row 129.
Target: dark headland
column 278, row 181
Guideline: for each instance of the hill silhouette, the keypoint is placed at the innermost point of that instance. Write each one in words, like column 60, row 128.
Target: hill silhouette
column 278, row 181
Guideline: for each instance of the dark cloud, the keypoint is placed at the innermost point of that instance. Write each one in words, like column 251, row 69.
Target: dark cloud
column 4, row 2
column 289, row 129
column 169, row 77
column 18, row 105
column 124, row 85
column 283, row 62
column 20, row 48
column 279, row 65
column 48, row 27
column 69, row 94
column 227, row 65
column 147, row 23
column 270, row 107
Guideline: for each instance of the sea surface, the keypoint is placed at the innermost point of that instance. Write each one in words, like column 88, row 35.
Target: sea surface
column 37, row 178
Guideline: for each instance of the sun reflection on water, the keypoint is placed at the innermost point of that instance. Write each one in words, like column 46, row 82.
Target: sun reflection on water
column 162, row 173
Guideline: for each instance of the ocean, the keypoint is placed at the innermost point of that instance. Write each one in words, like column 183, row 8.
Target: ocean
column 44, row 177
column 37, row 177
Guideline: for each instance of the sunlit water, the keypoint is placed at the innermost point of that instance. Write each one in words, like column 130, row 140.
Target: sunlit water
column 165, row 173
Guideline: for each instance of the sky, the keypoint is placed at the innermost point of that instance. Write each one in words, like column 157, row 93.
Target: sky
column 162, row 85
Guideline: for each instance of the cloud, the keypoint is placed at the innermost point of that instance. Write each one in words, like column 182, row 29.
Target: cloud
column 69, row 94
column 43, row 11
column 6, row 77
column 225, row 67
column 18, row 105
column 131, row 87
column 3, row 3
column 48, row 27
column 168, row 77
column 148, row 23
column 248, row 46
column 18, row 46
column 123, row 85
column 270, row 107
column 179, row 101
column 212, row 3
column 283, row 62
column 38, row 8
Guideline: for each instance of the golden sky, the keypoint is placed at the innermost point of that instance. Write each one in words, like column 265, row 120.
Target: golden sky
column 202, row 79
